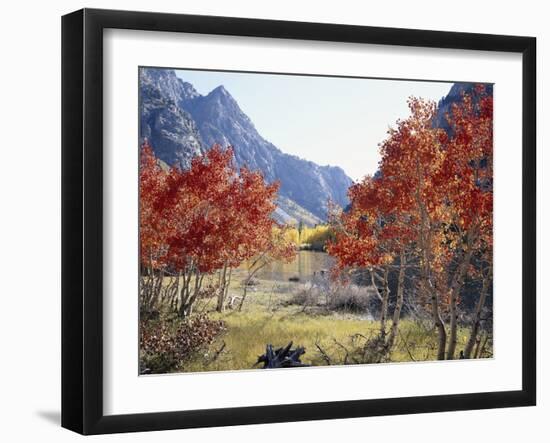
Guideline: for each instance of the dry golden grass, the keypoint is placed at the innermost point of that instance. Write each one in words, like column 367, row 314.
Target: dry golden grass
column 267, row 319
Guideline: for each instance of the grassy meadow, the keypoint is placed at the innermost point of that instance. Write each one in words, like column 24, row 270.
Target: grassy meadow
column 273, row 314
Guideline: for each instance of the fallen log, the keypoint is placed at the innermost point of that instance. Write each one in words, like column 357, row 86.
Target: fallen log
column 282, row 357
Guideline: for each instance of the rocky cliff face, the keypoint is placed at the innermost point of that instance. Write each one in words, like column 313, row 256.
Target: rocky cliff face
column 181, row 123
column 171, row 131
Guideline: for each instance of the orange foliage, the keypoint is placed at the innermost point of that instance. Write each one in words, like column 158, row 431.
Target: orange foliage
column 207, row 217
column 432, row 190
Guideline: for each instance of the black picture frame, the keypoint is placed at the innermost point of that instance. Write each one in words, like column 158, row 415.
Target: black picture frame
column 82, row 215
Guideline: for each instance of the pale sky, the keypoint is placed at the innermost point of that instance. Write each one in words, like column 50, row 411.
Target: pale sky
column 331, row 121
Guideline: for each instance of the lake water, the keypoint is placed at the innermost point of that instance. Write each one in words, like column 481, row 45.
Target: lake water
column 304, row 265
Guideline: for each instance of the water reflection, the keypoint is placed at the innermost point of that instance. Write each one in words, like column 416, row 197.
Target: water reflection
column 303, row 267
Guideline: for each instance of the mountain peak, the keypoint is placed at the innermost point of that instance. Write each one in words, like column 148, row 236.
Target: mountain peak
column 220, row 90
column 222, row 94
column 223, row 98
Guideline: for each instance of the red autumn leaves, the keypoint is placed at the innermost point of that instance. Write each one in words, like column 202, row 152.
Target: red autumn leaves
column 207, row 217
column 430, row 204
column 430, row 187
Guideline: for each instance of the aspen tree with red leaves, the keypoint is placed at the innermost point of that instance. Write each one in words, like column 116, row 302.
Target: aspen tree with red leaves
column 193, row 223
column 390, row 212
column 430, row 204
column 466, row 174
column 364, row 240
column 154, row 223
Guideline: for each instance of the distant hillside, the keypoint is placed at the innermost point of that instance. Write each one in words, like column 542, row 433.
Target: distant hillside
column 289, row 212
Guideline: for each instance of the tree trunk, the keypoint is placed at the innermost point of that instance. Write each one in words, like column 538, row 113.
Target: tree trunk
column 482, row 348
column 251, row 275
column 398, row 303
column 188, row 298
column 157, row 289
column 481, row 341
column 228, row 282
column 456, row 285
column 184, row 292
column 245, row 290
column 384, row 299
column 222, row 289
column 430, row 291
column 425, row 247
column 174, row 298
column 477, row 316
column 442, row 335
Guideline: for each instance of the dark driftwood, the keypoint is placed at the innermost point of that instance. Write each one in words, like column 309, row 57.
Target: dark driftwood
column 282, row 357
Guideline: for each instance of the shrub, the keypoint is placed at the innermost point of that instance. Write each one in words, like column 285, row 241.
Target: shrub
column 336, row 297
column 305, row 297
column 166, row 344
column 351, row 298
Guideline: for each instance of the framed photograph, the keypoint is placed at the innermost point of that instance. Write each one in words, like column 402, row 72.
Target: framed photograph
column 269, row 221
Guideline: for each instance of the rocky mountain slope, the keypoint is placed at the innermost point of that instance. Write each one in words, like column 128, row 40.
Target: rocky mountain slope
column 169, row 128
column 181, row 123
